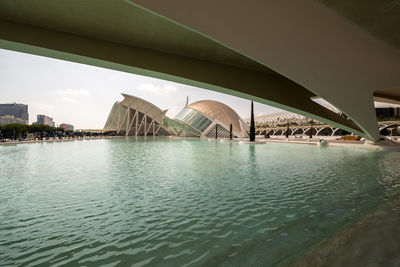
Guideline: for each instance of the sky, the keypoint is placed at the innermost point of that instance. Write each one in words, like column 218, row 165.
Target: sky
column 83, row 95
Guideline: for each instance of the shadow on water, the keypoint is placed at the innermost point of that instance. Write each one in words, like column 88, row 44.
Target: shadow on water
column 252, row 158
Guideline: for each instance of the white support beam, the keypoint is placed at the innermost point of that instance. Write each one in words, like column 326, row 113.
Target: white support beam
column 128, row 111
column 119, row 118
column 159, row 126
column 140, row 126
column 148, row 129
column 145, row 124
column 130, row 125
column 121, row 122
column 136, row 121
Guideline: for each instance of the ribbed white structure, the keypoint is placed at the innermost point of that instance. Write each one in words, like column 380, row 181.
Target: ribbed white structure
column 136, row 116
column 281, row 118
column 204, row 115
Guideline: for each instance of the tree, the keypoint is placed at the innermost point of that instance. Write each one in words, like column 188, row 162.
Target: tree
column 252, row 126
column 216, row 131
column 13, row 130
column 41, row 129
column 230, row 132
column 287, row 130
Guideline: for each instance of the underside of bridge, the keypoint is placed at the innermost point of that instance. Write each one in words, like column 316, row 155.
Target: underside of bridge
column 280, row 53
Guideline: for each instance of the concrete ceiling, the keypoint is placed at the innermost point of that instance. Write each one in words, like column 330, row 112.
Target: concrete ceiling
column 124, row 23
column 380, row 18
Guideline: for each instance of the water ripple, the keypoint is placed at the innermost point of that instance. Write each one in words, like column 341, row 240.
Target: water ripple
column 163, row 202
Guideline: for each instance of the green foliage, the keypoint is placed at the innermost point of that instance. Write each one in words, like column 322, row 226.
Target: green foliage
column 15, row 130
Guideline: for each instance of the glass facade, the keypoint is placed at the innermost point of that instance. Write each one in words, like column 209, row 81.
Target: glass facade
column 117, row 113
column 220, row 131
column 194, row 119
column 180, row 129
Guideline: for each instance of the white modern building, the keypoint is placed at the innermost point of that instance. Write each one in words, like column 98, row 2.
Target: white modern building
column 210, row 118
column 134, row 116
column 137, row 117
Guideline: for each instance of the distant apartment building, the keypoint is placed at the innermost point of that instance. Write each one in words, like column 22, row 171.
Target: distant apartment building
column 18, row 111
column 44, row 120
column 8, row 119
column 67, row 127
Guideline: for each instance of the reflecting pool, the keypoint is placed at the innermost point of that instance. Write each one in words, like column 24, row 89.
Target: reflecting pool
column 174, row 202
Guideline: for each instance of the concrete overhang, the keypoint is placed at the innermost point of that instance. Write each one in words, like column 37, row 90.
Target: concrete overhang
column 276, row 53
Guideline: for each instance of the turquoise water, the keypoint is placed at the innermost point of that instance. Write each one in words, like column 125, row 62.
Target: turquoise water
column 168, row 202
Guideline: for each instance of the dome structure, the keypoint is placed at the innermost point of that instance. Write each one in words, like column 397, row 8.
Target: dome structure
column 206, row 116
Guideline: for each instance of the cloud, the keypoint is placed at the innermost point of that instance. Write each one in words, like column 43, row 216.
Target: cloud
column 69, row 100
column 170, row 88
column 69, row 95
column 41, row 106
column 72, row 92
column 174, row 110
column 157, row 89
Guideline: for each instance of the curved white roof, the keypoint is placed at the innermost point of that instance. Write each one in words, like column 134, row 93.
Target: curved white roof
column 218, row 111
column 143, row 106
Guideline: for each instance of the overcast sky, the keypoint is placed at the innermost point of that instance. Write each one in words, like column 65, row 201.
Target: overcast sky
column 83, row 95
